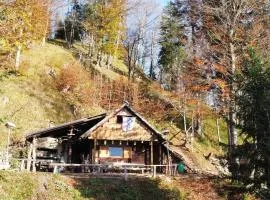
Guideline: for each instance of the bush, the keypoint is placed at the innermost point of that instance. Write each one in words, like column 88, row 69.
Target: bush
column 70, row 76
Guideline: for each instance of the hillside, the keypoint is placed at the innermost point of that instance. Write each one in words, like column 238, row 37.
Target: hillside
column 32, row 100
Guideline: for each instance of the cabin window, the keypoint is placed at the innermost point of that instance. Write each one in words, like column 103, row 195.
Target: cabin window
column 128, row 123
column 116, row 151
column 119, row 119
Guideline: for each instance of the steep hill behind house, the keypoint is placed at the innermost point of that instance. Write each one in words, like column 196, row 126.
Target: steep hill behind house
column 32, row 100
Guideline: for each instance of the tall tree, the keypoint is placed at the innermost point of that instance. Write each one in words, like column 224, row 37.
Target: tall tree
column 172, row 52
column 105, row 21
column 73, row 23
column 254, row 114
column 228, row 25
column 29, row 20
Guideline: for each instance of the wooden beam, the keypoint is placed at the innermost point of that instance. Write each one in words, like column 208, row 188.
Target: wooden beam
column 22, row 168
column 154, row 171
column 95, row 150
column 69, row 152
column 152, row 152
column 34, row 154
column 30, row 149
column 160, row 157
column 160, row 154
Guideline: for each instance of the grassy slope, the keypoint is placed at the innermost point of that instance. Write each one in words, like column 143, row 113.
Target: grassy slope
column 34, row 186
column 33, row 100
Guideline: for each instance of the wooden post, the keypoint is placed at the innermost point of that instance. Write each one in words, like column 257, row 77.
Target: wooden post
column 126, row 174
column 22, row 165
column 155, row 171
column 34, row 154
column 69, row 152
column 152, row 151
column 55, row 170
column 175, row 170
column 95, row 150
column 29, row 157
column 160, row 155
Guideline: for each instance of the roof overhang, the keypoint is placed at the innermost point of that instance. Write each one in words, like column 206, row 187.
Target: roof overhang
column 78, row 127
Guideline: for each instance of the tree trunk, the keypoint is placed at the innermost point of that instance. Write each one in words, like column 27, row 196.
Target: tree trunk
column 109, row 61
column 18, row 57
column 232, row 138
column 232, row 106
column 199, row 126
column 185, row 123
column 192, row 132
column 218, row 129
column 43, row 41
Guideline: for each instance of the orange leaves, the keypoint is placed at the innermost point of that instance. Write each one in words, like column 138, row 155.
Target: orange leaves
column 220, row 68
column 199, row 88
column 70, row 76
column 198, row 61
column 220, row 83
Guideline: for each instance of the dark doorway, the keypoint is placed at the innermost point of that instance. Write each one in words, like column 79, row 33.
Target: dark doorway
column 80, row 151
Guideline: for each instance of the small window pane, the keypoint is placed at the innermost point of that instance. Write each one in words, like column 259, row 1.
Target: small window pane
column 119, row 119
column 116, row 151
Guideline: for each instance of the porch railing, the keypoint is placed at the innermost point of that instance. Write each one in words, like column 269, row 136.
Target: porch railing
column 119, row 167
column 125, row 167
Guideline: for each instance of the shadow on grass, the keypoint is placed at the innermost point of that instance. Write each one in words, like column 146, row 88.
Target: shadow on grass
column 233, row 191
column 132, row 189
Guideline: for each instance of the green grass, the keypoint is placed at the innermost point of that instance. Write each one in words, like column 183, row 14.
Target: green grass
column 50, row 187
column 28, row 186
column 32, row 99
column 23, row 189
column 119, row 65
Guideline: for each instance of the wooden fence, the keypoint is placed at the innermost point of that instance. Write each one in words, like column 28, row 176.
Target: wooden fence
column 116, row 167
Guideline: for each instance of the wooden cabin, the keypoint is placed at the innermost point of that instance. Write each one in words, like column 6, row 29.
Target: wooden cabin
column 122, row 136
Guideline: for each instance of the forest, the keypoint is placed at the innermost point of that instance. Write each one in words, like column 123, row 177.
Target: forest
column 199, row 69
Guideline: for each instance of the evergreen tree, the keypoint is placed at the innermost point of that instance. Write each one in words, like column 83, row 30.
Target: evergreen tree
column 172, row 50
column 73, row 23
column 71, row 28
column 254, row 114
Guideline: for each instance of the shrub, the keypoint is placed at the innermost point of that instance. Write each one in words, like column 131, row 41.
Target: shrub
column 71, row 75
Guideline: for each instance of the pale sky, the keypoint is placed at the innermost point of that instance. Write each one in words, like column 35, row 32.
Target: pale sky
column 163, row 2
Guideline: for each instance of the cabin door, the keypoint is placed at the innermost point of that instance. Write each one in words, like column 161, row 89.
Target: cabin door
column 80, row 152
